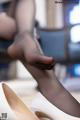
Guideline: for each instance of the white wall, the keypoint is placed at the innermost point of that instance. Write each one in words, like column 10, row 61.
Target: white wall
column 59, row 15
column 41, row 12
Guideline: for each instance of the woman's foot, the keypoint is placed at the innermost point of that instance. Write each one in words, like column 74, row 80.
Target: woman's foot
column 27, row 49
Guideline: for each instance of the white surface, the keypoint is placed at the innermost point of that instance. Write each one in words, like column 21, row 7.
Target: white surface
column 41, row 12
column 4, row 106
column 22, row 71
column 23, row 87
column 41, row 103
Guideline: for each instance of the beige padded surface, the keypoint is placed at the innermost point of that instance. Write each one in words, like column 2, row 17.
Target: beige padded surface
column 26, row 89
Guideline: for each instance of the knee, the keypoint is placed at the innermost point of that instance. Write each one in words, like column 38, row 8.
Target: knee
column 12, row 28
column 7, row 28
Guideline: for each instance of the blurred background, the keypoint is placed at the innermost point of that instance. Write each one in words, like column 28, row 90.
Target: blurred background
column 58, row 26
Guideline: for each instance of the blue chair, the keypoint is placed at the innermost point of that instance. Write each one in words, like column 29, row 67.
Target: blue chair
column 57, row 43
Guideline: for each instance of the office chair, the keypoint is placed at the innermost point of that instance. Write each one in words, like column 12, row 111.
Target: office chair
column 56, row 43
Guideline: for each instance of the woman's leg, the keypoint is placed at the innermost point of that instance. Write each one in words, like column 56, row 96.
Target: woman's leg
column 26, row 48
column 48, row 84
column 52, row 89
